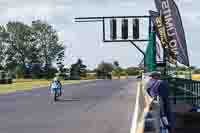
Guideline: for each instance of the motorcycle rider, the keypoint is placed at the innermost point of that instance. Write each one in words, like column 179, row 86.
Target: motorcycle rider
column 56, row 84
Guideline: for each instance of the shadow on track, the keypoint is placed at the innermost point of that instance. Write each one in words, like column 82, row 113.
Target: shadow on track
column 67, row 100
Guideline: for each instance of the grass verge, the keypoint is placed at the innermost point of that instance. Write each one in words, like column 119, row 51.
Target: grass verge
column 20, row 85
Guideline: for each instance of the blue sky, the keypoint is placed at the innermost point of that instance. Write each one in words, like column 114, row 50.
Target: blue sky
column 84, row 40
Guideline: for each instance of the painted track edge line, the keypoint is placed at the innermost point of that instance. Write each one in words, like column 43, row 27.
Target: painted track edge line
column 135, row 113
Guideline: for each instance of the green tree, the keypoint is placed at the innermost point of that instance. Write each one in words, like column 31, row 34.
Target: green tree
column 50, row 73
column 78, row 70
column 20, row 71
column 19, row 43
column 47, row 40
column 82, row 68
column 123, row 73
column 116, row 64
column 181, row 68
column 36, row 71
column 2, row 47
column 104, row 69
column 3, row 35
column 117, row 69
column 196, row 71
column 60, row 61
column 27, row 45
column 132, row 71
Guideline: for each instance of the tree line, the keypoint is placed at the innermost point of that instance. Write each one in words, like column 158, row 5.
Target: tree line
column 28, row 51
column 192, row 69
column 104, row 70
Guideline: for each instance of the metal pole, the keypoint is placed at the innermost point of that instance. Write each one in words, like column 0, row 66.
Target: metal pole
column 145, row 63
column 102, row 19
column 108, row 17
column 138, row 48
column 150, row 30
column 96, row 20
column 103, row 29
column 132, row 42
column 154, row 45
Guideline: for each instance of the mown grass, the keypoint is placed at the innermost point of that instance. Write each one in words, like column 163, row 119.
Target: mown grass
column 22, row 84
column 196, row 76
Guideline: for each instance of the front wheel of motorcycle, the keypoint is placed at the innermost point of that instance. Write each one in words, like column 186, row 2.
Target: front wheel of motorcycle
column 55, row 96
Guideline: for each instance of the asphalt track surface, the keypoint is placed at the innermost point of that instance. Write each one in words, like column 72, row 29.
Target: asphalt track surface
column 103, row 106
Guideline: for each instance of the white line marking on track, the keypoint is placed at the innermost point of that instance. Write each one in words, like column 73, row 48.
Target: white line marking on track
column 135, row 114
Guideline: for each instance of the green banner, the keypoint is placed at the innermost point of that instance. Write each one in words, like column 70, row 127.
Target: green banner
column 150, row 54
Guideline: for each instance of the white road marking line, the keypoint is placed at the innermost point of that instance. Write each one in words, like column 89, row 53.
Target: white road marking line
column 135, row 114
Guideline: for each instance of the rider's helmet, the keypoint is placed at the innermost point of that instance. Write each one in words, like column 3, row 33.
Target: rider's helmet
column 56, row 79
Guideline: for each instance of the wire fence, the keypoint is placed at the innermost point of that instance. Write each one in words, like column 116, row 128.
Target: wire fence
column 184, row 91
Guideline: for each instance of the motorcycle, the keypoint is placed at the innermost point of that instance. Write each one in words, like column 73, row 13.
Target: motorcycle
column 56, row 94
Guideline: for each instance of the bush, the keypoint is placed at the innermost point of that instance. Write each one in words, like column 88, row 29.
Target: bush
column 5, row 81
column 124, row 73
column 20, row 71
column 115, row 74
column 36, row 71
column 50, row 73
column 133, row 71
column 196, row 71
column 2, row 81
column 91, row 76
column 63, row 76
